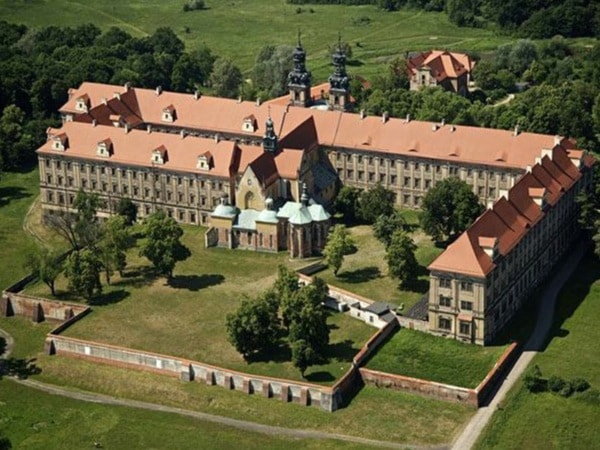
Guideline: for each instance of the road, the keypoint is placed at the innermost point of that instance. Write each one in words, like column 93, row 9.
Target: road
column 470, row 434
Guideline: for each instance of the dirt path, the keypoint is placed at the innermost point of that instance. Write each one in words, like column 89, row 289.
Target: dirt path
column 535, row 343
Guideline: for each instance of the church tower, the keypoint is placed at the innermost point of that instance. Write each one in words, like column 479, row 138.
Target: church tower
column 339, row 83
column 270, row 138
column 299, row 78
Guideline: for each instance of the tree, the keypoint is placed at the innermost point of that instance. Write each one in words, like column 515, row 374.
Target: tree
column 401, row 259
column 449, row 208
column 83, row 272
column 225, row 78
column 5, row 443
column 116, row 239
column 310, row 322
column 253, row 327
column 79, row 229
column 303, row 356
column 385, row 226
column 128, row 210
column 376, row 202
column 286, row 287
column 271, row 69
column 339, row 244
column 162, row 245
column 347, row 203
column 46, row 264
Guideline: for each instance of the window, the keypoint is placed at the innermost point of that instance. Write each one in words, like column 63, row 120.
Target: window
column 466, row 306
column 48, row 178
column 406, row 181
column 70, row 181
column 464, row 327
column 417, row 183
column 360, row 175
column 58, row 165
column 427, row 184
column 445, row 283
column 444, row 323
column 466, row 286
column 47, row 163
column 50, row 196
column 445, row 301
column 393, row 179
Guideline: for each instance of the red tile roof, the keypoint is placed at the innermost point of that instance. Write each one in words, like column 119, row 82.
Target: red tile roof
column 510, row 218
column 443, row 64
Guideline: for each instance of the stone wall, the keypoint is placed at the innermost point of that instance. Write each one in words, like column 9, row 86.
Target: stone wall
column 374, row 342
column 426, row 388
column 38, row 309
column 413, row 324
column 497, row 373
column 284, row 390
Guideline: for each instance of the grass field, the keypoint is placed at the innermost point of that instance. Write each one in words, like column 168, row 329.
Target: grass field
column 238, row 29
column 374, row 413
column 548, row 421
column 36, row 420
column 428, row 357
column 186, row 317
column 365, row 272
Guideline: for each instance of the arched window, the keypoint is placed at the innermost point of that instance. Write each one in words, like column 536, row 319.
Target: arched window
column 249, row 201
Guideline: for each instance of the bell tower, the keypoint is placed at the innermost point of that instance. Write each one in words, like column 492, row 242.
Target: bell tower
column 270, row 138
column 339, row 83
column 299, row 78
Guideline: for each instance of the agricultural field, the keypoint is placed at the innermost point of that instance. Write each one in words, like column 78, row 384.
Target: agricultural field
column 238, row 29
column 419, row 355
column 547, row 420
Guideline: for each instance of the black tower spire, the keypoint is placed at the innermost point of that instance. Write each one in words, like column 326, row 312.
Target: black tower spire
column 339, row 83
column 299, row 78
column 270, row 138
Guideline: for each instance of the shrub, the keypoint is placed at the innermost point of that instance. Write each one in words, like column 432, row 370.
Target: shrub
column 194, row 5
column 556, row 384
column 567, row 390
column 591, row 396
column 533, row 380
column 580, row 385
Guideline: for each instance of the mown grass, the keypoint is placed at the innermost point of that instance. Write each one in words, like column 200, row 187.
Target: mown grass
column 36, row 420
column 186, row 317
column 365, row 272
column 548, row 421
column 420, row 355
column 373, row 413
column 238, row 29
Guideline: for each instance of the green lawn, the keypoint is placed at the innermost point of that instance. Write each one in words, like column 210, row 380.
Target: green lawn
column 374, row 413
column 365, row 272
column 420, row 355
column 36, row 420
column 547, row 421
column 239, row 29
column 186, row 318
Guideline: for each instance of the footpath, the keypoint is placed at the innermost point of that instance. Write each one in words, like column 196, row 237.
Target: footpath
column 535, row 343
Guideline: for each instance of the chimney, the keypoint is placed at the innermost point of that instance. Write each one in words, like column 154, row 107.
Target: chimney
column 257, row 101
column 196, row 94
column 407, row 118
column 94, row 122
column 127, row 128
column 517, row 130
column 217, row 138
column 362, row 114
column 452, row 128
column 546, row 152
column 239, row 99
column 385, row 117
column 434, row 127
column 104, row 101
column 127, row 86
column 182, row 134
column 149, row 128
column 489, row 245
column 538, row 195
column 117, row 95
column 443, row 122
column 158, row 90
column 557, row 140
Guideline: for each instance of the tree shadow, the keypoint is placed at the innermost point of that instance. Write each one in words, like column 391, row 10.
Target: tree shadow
column 19, row 367
column 10, row 193
column 419, row 285
column 360, row 275
column 195, row 282
column 137, row 277
column 355, row 63
column 3, row 345
column 340, row 351
column 109, row 298
column 319, row 377
column 278, row 353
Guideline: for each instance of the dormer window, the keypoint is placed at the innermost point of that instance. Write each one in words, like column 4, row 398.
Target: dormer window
column 82, row 103
column 205, row 161
column 104, row 148
column 168, row 114
column 159, row 155
column 60, row 142
column 116, row 120
column 250, row 124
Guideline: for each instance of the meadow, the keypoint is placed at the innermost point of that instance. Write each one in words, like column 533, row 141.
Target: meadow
column 238, row 29
column 547, row 420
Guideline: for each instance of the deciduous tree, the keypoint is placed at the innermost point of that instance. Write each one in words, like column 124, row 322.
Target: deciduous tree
column 162, row 245
column 303, row 356
column 449, row 208
column 83, row 272
column 401, row 259
column 46, row 264
column 339, row 244
column 225, row 78
column 376, row 202
column 347, row 203
column 116, row 239
column 385, row 226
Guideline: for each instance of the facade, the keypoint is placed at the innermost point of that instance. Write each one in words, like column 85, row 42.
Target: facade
column 486, row 276
column 451, row 71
